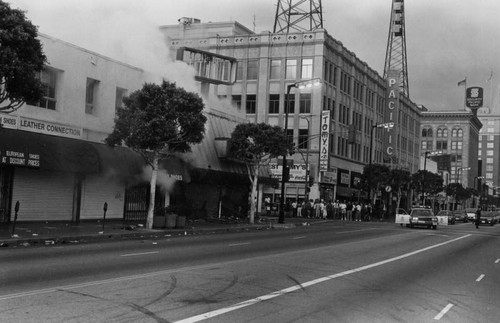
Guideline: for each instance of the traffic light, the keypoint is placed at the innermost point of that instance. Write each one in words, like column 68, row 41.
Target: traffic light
column 311, row 181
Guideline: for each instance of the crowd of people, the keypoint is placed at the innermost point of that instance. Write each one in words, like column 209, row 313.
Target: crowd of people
column 337, row 210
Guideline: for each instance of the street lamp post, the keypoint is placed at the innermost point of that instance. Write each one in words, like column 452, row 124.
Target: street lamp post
column 426, row 155
column 477, row 187
column 306, row 180
column 456, row 181
column 387, row 125
column 300, row 85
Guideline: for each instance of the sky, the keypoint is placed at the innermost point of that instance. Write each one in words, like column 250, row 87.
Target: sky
column 447, row 40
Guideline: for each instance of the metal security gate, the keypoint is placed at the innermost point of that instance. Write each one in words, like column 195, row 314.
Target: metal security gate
column 137, row 202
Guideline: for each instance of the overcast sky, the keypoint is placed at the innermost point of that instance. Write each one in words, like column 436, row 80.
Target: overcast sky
column 447, row 40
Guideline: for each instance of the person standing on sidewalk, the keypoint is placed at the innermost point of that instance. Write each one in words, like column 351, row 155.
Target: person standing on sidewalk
column 478, row 217
column 349, row 211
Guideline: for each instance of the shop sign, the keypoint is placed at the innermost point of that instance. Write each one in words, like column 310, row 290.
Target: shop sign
column 329, row 177
column 297, row 171
column 40, row 126
column 325, row 141
column 20, row 158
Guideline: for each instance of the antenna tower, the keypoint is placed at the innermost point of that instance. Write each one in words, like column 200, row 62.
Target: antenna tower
column 298, row 15
column 395, row 57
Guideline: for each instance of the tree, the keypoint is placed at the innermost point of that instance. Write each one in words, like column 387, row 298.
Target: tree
column 457, row 191
column 256, row 144
column 374, row 176
column 400, row 179
column 21, row 60
column 158, row 121
column 427, row 183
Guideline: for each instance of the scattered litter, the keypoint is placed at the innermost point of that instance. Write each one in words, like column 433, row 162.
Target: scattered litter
column 4, row 244
column 74, row 241
column 168, row 235
column 140, row 225
column 49, row 242
column 101, row 232
column 155, row 242
column 185, row 233
column 15, row 236
column 25, row 244
column 35, row 234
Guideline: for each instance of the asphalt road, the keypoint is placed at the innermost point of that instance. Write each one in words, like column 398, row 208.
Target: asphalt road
column 336, row 272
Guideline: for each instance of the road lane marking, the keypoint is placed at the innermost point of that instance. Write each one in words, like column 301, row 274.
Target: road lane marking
column 296, row 238
column 480, row 278
column 291, row 289
column 497, row 261
column 443, row 312
column 355, row 231
column 139, row 254
column 238, row 244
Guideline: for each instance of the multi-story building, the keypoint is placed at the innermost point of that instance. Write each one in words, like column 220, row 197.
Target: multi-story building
column 54, row 161
column 489, row 143
column 451, row 138
column 350, row 101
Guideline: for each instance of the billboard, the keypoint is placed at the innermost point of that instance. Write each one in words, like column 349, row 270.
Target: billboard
column 474, row 98
column 325, row 141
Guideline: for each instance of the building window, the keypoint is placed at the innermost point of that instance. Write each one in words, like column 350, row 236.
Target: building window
column 290, row 103
column 239, row 71
column 489, row 175
column 274, row 103
column 457, row 133
column 427, row 132
column 237, row 101
column 491, row 138
column 305, row 103
column 252, row 70
column 289, row 135
column 120, row 94
column 442, row 133
column 489, row 160
column 307, row 68
column 48, row 77
column 490, row 145
column 303, row 138
column 291, row 69
column 275, row 69
column 489, row 153
column 441, row 145
column 251, row 103
column 427, row 145
column 91, row 95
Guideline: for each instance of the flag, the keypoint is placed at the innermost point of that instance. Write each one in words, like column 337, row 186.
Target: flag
column 462, row 82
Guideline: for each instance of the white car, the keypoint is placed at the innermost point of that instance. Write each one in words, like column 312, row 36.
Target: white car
column 471, row 214
column 402, row 217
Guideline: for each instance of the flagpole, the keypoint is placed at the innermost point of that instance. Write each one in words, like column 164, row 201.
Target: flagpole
column 465, row 94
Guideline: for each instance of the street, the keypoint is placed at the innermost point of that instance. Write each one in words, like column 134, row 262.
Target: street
column 334, row 272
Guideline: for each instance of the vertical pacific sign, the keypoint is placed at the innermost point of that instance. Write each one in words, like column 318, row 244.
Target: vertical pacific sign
column 393, row 80
column 324, row 145
column 474, row 98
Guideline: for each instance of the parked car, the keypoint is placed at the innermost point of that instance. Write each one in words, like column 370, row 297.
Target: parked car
column 488, row 217
column 471, row 214
column 445, row 215
column 423, row 217
column 461, row 215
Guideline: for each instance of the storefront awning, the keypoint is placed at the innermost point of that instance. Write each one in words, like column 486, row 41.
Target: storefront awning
column 52, row 153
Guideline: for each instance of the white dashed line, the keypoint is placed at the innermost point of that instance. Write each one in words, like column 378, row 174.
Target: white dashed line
column 497, row 261
column 296, row 238
column 139, row 254
column 479, row 278
column 238, row 244
column 443, row 312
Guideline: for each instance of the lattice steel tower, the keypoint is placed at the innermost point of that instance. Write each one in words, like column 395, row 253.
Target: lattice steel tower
column 298, row 15
column 395, row 57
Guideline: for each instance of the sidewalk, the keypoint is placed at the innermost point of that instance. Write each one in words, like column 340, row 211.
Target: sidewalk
column 49, row 233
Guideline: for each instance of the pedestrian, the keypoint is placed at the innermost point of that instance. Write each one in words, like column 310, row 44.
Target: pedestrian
column 329, row 210
column 336, row 209
column 317, row 208
column 358, row 212
column 343, row 211
column 364, row 212
column 349, row 211
column 478, row 217
column 294, row 206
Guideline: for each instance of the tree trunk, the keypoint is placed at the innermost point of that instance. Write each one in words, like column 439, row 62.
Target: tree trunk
column 152, row 192
column 253, row 196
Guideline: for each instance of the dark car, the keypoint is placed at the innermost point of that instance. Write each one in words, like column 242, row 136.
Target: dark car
column 461, row 215
column 423, row 217
column 488, row 217
column 447, row 214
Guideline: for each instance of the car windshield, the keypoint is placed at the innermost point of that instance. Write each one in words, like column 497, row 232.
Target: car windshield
column 421, row 213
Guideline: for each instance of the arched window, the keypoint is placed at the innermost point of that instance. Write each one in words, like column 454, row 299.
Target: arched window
column 427, row 132
column 460, row 133
column 442, row 133
column 457, row 133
